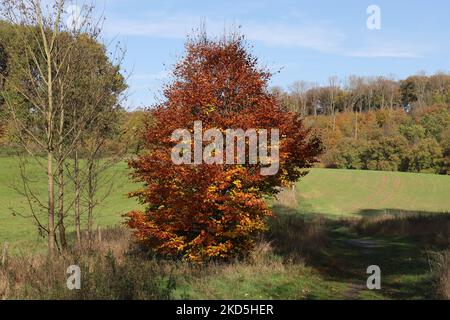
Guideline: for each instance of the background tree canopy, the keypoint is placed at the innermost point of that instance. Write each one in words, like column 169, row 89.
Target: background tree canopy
column 388, row 140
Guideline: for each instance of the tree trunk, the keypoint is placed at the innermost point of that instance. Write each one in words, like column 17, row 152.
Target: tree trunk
column 51, row 205
column 334, row 121
column 77, row 198
column 91, row 193
column 50, row 150
column 61, row 160
column 61, row 227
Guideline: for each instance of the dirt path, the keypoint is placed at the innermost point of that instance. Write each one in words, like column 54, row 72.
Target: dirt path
column 354, row 291
column 365, row 247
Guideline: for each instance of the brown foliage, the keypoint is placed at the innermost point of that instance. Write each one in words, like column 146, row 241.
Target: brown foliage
column 214, row 211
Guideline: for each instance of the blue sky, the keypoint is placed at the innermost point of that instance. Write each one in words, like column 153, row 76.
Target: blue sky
column 306, row 40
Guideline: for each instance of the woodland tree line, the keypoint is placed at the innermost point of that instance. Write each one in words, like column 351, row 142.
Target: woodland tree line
column 387, row 140
column 365, row 93
column 377, row 123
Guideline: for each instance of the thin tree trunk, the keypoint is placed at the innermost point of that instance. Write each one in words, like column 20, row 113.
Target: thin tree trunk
column 50, row 133
column 51, row 205
column 334, row 121
column 77, row 197
column 61, row 227
column 91, row 193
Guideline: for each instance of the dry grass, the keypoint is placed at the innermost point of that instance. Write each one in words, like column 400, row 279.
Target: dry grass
column 297, row 238
column 440, row 264
column 259, row 265
column 110, row 270
column 283, row 265
column 263, row 275
column 430, row 229
column 288, row 197
column 292, row 235
column 115, row 268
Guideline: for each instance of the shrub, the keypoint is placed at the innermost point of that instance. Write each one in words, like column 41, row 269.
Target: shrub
column 347, row 154
column 387, row 154
column 426, row 156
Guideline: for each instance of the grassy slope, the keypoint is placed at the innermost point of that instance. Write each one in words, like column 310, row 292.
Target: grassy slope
column 331, row 192
column 343, row 192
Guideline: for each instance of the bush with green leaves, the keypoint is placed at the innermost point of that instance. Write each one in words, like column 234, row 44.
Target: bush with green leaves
column 388, row 140
column 388, row 154
column 347, row 154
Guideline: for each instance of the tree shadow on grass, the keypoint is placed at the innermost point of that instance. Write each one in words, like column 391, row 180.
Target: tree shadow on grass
column 343, row 249
column 366, row 213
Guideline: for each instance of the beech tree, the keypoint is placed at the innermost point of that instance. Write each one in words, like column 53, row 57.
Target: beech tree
column 214, row 211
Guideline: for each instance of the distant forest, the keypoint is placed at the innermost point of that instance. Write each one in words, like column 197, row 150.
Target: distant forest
column 377, row 123
column 387, row 139
column 365, row 93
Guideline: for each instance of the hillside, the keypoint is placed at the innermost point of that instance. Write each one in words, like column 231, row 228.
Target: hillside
column 344, row 192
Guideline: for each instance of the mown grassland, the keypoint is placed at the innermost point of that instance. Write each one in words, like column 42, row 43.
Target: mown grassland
column 350, row 192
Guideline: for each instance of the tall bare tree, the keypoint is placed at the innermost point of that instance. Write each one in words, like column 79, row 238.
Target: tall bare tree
column 41, row 94
column 91, row 159
column 334, row 85
column 298, row 90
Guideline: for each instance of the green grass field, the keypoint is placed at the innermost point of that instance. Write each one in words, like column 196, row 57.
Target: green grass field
column 346, row 192
column 329, row 192
column 20, row 231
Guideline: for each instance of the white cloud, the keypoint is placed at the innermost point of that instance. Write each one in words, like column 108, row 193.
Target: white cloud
column 319, row 36
column 386, row 51
column 155, row 26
